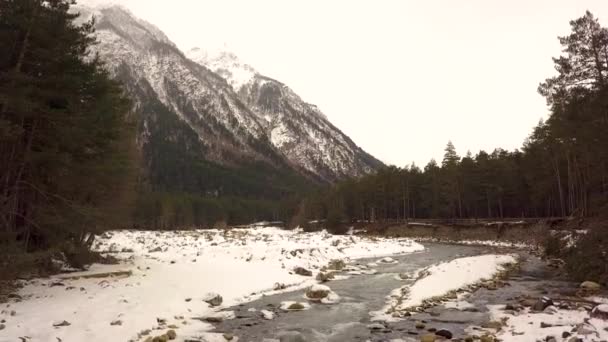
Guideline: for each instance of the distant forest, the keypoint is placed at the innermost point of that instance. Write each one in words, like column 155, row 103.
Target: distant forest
column 560, row 170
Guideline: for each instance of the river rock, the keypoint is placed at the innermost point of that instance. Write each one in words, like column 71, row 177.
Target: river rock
column 585, row 329
column 171, row 334
column 161, row 338
column 317, row 292
column 325, row 277
column 61, row 324
column 542, row 304
column 487, row 338
column 376, row 326
column 213, row 299
column 213, row 319
column 2, row 326
column 600, row 311
column 444, row 333
column 228, row 337
column 155, row 250
column 387, row 260
column 336, row 265
column 116, row 322
column 302, row 271
column 590, row 285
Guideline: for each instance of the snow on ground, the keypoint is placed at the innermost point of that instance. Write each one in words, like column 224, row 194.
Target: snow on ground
column 491, row 243
column 440, row 279
column 526, row 326
column 169, row 274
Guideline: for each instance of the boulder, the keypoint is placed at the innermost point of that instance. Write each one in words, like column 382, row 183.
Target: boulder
column 161, row 338
column 444, row 333
column 325, row 277
column 317, row 292
column 116, row 322
column 302, row 271
column 542, row 304
column 213, row 299
column 600, row 312
column 171, row 334
column 590, row 285
column 387, row 260
column 336, row 265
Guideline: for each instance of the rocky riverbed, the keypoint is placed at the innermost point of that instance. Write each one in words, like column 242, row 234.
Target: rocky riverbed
column 529, row 302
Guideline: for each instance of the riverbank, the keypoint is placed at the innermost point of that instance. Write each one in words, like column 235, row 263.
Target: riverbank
column 166, row 280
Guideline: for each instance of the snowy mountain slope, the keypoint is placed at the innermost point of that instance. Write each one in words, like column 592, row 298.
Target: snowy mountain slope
column 298, row 129
column 192, row 116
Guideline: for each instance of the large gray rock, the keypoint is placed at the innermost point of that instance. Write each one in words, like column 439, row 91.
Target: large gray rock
column 302, row 271
column 600, row 312
column 213, row 299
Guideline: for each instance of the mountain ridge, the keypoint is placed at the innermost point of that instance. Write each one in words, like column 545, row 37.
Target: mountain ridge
column 206, row 121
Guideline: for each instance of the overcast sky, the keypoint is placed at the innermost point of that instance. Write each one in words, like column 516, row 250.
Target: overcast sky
column 399, row 77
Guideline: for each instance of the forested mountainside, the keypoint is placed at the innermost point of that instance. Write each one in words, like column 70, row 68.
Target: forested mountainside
column 561, row 170
column 205, row 146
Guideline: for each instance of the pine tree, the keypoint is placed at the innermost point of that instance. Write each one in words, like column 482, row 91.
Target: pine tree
column 66, row 145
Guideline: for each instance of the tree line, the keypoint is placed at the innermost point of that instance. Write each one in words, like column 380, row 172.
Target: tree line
column 561, row 169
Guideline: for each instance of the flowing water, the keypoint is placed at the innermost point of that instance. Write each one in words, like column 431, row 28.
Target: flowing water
column 350, row 319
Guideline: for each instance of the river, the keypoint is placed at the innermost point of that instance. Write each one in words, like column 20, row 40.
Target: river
column 350, row 319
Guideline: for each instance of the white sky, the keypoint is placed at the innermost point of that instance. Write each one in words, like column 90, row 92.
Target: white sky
column 401, row 78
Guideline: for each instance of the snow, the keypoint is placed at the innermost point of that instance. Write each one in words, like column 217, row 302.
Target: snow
column 268, row 315
column 238, row 264
column 526, row 326
column 440, row 279
column 490, row 243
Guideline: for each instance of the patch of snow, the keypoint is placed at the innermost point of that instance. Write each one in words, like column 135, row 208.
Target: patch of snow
column 526, row 326
column 443, row 278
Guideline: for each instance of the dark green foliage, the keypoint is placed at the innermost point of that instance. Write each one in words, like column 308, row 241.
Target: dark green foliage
column 65, row 144
column 588, row 260
column 160, row 210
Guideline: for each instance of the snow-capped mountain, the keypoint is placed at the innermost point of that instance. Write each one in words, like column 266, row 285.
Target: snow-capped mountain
column 216, row 112
column 298, row 129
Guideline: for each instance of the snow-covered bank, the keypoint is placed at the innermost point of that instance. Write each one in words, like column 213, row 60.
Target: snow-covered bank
column 169, row 277
column 489, row 243
column 441, row 279
column 557, row 323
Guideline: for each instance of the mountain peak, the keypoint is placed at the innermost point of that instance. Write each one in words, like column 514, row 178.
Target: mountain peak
column 226, row 64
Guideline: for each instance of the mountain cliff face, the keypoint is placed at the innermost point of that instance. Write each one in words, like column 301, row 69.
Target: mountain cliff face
column 213, row 128
column 298, row 129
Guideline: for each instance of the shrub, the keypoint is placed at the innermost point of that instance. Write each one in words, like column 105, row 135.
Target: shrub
column 588, row 260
